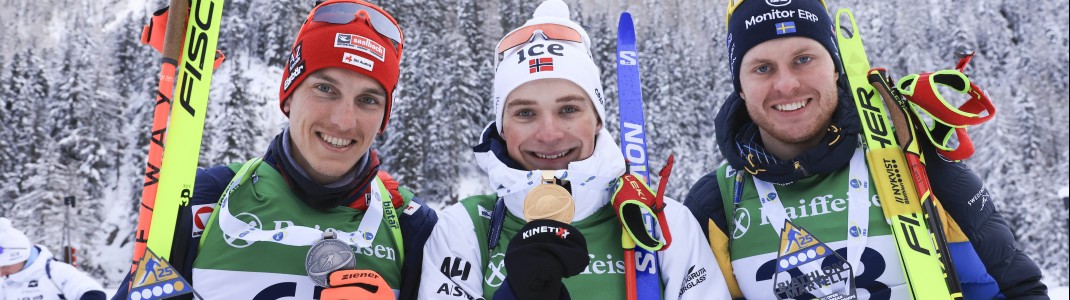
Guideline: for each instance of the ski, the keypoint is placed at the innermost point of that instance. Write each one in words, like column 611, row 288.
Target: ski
column 904, row 123
column 169, row 42
column 186, row 123
column 642, row 278
column 888, row 167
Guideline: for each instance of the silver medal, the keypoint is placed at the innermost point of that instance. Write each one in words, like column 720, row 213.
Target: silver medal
column 326, row 256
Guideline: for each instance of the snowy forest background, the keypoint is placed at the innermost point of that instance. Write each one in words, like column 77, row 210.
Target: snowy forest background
column 76, row 90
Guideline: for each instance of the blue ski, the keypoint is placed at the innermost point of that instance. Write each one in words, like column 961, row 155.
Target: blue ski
column 633, row 144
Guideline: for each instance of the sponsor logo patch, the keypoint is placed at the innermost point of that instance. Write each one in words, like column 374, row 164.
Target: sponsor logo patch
column 411, row 208
column 742, row 220
column 201, row 213
column 295, row 67
column 777, row 3
column 356, row 60
column 360, row 43
column 540, row 65
column 693, row 279
column 785, row 27
column 803, row 254
column 560, row 232
column 455, row 267
column 495, row 274
column 537, row 50
column 483, row 212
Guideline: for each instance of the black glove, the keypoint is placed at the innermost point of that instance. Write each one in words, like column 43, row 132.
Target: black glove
column 540, row 255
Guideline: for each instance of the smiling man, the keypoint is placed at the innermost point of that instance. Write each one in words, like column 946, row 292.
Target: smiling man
column 280, row 225
column 790, row 214
column 549, row 231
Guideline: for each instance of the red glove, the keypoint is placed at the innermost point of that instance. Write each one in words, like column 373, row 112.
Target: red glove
column 357, row 284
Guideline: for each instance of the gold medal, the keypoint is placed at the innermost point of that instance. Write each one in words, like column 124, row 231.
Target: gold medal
column 549, row 201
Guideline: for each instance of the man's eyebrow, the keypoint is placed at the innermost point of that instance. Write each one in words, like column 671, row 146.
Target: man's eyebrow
column 804, row 49
column 529, row 102
column 325, row 77
column 369, row 90
column 571, row 98
column 520, row 102
column 374, row 91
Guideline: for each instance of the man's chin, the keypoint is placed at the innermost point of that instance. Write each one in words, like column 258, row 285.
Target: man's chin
column 802, row 138
column 331, row 170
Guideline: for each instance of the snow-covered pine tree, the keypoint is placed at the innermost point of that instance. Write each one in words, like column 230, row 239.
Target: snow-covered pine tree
column 468, row 93
column 513, row 13
column 403, row 144
column 276, row 24
column 602, row 28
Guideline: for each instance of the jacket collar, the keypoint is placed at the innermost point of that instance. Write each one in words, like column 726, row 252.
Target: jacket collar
column 591, row 179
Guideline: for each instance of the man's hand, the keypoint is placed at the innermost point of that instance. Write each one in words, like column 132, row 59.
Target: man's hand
column 540, row 255
column 357, row 284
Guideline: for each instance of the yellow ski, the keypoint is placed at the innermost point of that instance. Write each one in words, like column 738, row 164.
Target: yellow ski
column 183, row 140
column 890, row 173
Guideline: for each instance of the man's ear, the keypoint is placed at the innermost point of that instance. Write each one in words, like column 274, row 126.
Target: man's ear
column 286, row 105
column 742, row 96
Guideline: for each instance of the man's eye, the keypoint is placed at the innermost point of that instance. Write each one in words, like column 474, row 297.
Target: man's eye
column 525, row 113
column 369, row 100
column 762, row 69
column 323, row 88
column 569, row 109
column 803, row 59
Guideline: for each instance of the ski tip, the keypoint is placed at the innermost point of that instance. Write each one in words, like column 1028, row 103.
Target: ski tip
column 625, row 20
column 625, row 29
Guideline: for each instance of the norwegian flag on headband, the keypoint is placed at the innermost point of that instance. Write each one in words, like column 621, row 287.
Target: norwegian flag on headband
column 540, row 64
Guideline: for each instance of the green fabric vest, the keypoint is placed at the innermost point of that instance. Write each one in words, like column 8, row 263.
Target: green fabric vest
column 266, row 200
column 817, row 203
column 603, row 278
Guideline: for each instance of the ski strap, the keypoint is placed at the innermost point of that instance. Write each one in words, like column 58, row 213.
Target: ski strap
column 921, row 90
column 632, row 200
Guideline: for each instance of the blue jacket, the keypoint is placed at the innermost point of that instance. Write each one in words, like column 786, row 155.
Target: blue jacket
column 986, row 256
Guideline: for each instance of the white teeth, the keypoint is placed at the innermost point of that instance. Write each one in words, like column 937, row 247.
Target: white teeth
column 335, row 141
column 790, row 106
column 555, row 156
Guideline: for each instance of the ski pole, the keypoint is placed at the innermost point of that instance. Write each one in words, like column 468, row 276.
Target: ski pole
column 171, row 46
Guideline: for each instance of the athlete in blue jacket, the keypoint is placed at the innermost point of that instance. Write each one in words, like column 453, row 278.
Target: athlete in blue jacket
column 792, row 131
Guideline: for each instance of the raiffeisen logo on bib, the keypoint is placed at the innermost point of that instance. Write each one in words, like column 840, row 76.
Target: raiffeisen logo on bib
column 820, row 205
column 605, row 266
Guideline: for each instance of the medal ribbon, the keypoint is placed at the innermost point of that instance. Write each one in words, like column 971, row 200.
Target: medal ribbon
column 301, row 235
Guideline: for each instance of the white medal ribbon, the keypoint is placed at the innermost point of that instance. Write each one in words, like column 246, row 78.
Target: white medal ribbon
column 301, row 235
column 857, row 213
